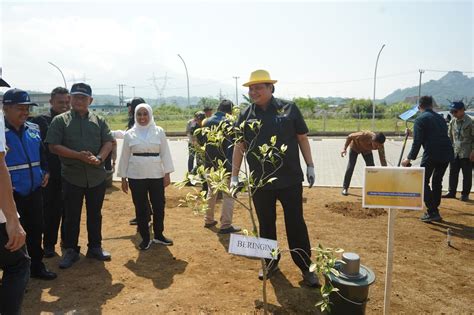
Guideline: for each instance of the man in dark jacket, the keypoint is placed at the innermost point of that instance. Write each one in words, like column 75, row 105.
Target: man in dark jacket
column 53, row 208
column 213, row 156
column 431, row 132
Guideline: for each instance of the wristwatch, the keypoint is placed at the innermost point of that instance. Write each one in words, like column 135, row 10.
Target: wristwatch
column 99, row 157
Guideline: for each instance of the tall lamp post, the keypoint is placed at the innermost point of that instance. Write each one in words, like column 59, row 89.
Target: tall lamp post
column 64, row 80
column 187, row 76
column 375, row 82
column 236, row 91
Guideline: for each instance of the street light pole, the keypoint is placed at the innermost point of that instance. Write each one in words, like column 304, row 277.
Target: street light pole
column 64, row 80
column 375, row 82
column 236, row 92
column 419, row 86
column 187, row 76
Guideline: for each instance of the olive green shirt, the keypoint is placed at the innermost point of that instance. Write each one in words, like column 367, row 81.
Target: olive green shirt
column 461, row 133
column 78, row 133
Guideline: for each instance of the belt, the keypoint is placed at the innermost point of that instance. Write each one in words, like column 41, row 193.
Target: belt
column 146, row 154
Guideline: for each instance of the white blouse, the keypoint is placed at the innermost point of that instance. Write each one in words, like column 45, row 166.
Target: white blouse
column 141, row 167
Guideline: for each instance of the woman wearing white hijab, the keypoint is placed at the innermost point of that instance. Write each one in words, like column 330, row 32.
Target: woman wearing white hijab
column 146, row 163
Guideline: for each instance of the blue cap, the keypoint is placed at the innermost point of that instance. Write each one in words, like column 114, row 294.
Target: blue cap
column 17, row 97
column 81, row 88
column 456, row 105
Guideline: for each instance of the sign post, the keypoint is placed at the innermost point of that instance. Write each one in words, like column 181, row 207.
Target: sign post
column 393, row 188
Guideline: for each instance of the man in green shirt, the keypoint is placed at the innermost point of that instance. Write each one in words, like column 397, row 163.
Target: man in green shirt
column 461, row 132
column 82, row 140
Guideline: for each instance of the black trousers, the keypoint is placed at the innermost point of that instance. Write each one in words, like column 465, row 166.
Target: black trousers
column 53, row 211
column 369, row 161
column 291, row 198
column 30, row 209
column 73, row 199
column 16, row 273
column 143, row 190
column 434, row 172
column 465, row 165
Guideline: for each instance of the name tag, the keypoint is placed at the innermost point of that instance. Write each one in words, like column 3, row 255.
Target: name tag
column 252, row 246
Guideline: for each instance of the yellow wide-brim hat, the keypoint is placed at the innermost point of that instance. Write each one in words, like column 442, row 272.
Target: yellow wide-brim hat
column 259, row 76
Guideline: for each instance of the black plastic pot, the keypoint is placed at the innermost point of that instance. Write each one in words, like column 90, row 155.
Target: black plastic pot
column 353, row 283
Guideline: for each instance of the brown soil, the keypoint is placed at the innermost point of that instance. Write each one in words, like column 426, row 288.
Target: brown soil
column 197, row 275
column 354, row 210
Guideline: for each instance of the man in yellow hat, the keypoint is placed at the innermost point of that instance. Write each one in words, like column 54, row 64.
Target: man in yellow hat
column 282, row 119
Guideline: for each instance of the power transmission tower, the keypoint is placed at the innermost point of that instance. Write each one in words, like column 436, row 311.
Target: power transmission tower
column 121, row 99
column 159, row 88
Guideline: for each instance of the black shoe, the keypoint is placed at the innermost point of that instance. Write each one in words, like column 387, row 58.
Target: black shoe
column 133, row 221
column 310, row 279
column 99, row 254
column 464, row 197
column 69, row 258
column 427, row 217
column 344, row 192
column 449, row 195
column 144, row 245
column 163, row 240
column 49, row 251
column 270, row 273
column 209, row 225
column 231, row 229
column 43, row 273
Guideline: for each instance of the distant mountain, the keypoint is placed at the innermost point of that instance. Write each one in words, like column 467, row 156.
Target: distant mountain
column 453, row 86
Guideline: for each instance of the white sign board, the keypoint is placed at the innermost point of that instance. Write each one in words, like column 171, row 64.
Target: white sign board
column 252, row 246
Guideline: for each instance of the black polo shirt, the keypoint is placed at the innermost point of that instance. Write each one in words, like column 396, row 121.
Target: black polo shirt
column 284, row 120
column 44, row 121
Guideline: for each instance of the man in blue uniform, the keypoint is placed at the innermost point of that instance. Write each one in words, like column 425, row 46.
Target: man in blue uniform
column 53, row 209
column 14, row 259
column 431, row 132
column 28, row 170
column 284, row 120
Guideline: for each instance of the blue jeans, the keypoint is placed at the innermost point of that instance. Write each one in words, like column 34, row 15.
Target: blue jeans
column 16, row 273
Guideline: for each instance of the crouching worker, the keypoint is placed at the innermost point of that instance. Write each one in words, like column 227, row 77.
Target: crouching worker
column 146, row 162
column 362, row 142
column 26, row 162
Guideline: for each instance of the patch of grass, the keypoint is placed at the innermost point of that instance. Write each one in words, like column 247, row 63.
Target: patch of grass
column 343, row 124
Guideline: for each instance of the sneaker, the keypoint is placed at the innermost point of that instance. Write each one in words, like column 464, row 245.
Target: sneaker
column 209, row 225
column 69, row 258
column 449, row 195
column 133, row 221
column 344, row 192
column 310, row 279
column 144, row 245
column 431, row 217
column 464, row 198
column 270, row 273
column 163, row 241
column 49, row 251
column 230, row 229
column 99, row 254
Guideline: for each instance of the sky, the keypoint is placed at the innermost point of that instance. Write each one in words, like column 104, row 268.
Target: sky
column 313, row 48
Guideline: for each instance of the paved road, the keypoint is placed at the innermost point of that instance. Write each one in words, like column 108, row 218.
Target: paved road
column 329, row 166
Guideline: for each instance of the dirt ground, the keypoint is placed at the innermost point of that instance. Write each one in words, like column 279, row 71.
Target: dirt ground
column 197, row 275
